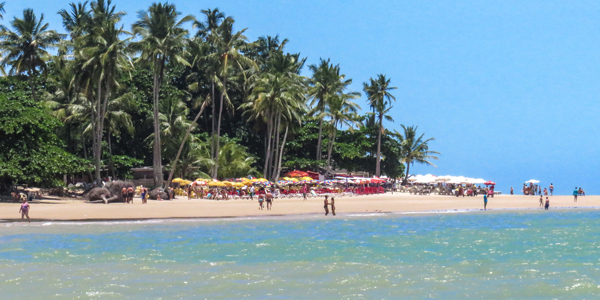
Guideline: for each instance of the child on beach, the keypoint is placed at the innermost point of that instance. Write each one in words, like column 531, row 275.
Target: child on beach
column 547, row 203
column 24, row 210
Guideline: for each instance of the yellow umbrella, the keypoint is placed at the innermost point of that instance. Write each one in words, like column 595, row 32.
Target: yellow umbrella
column 227, row 183
column 177, row 180
column 262, row 179
column 185, row 182
column 306, row 178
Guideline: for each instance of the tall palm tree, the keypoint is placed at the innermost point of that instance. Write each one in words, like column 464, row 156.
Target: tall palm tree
column 76, row 19
column 101, row 55
column 229, row 45
column 326, row 81
column 2, row 11
column 24, row 48
column 380, row 99
column 162, row 40
column 416, row 149
column 342, row 111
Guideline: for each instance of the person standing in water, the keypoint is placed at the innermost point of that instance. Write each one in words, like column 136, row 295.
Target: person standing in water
column 326, row 205
column 485, row 198
column 332, row 206
column 24, row 210
column 547, row 203
column 575, row 193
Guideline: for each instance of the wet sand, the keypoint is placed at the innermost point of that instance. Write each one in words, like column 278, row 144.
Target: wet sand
column 200, row 208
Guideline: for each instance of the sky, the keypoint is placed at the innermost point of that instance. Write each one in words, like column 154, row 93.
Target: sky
column 508, row 89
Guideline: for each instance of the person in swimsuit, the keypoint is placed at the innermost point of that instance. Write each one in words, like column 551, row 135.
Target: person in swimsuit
column 189, row 192
column 144, row 195
column 130, row 194
column 24, row 210
column 542, row 201
column 269, row 198
column 485, row 198
column 547, row 203
column 333, row 206
column 551, row 189
column 575, row 193
column 326, row 205
column 512, row 192
column 124, row 194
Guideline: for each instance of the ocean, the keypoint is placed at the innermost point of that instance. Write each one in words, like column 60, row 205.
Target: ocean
column 468, row 255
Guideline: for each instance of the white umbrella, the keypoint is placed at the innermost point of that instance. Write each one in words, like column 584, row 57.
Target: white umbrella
column 477, row 181
column 532, row 181
column 457, row 180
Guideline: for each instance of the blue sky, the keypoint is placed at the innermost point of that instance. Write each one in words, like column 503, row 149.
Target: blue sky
column 509, row 89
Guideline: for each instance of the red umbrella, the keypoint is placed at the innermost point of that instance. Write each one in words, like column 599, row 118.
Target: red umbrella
column 490, row 183
column 296, row 173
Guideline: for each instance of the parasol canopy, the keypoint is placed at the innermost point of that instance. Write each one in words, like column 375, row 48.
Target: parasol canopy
column 489, row 182
column 296, row 173
column 532, row 181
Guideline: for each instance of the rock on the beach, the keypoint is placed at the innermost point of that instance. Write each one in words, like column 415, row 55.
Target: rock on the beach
column 154, row 194
column 111, row 192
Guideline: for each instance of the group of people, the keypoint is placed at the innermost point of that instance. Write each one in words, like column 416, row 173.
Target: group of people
column 329, row 203
column 534, row 189
column 578, row 192
column 127, row 194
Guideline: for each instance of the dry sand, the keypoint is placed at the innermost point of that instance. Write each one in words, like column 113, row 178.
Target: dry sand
column 183, row 208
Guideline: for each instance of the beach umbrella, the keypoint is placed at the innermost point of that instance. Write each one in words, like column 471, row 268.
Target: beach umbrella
column 490, row 183
column 296, row 173
column 177, row 180
column 532, row 181
column 306, row 178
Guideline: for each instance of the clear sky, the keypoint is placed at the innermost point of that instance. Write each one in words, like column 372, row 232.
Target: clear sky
column 509, row 89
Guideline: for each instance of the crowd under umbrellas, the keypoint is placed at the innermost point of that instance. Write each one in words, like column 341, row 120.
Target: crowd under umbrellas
column 449, row 185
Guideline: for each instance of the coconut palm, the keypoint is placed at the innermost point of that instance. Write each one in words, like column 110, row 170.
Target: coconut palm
column 2, row 11
column 76, row 19
column 162, row 40
column 24, row 48
column 326, row 81
column 341, row 111
column 380, row 99
column 101, row 55
column 229, row 45
column 416, row 149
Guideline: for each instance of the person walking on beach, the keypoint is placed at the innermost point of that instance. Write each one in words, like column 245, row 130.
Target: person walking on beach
column 326, row 205
column 124, row 194
column 145, row 196
column 545, row 192
column 24, row 210
column 512, row 192
column 143, row 193
column 575, row 193
column 547, row 204
column 304, row 191
column 260, row 201
column 252, row 193
column 485, row 199
column 333, row 206
column 269, row 198
column 189, row 192
column 551, row 189
column 542, row 201
column 130, row 193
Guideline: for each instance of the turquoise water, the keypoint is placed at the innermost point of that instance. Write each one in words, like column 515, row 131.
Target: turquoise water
column 518, row 255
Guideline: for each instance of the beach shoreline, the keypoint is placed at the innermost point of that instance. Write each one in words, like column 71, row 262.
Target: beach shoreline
column 197, row 209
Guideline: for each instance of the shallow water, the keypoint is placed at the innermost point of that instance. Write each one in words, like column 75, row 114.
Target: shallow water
column 518, row 255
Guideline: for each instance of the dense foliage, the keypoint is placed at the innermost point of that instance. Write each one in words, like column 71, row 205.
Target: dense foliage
column 209, row 103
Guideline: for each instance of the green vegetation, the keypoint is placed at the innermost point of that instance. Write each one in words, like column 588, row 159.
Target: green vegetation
column 205, row 102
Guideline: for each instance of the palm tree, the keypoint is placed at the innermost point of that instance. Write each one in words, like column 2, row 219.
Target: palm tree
column 415, row 149
column 100, row 57
column 76, row 19
column 342, row 111
column 24, row 48
column 202, row 47
column 2, row 11
column 380, row 99
column 229, row 45
column 162, row 40
column 326, row 81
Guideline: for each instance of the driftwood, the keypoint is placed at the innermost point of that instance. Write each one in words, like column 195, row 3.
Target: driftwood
column 111, row 192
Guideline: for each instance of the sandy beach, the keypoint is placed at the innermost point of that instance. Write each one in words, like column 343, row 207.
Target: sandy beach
column 45, row 210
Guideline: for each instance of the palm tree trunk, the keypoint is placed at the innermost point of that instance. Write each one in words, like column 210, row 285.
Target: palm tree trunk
column 269, row 131
column 276, row 148
column 378, row 165
column 187, row 134
column 330, row 149
column 406, row 177
column 214, row 123
column 320, row 138
column 157, row 157
column 281, row 151
column 216, row 170
column 96, row 142
column 85, row 153
column 112, row 163
column 31, row 74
